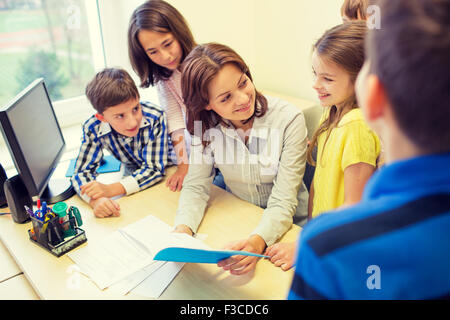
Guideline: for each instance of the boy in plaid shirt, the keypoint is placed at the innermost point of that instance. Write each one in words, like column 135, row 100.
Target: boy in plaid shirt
column 134, row 132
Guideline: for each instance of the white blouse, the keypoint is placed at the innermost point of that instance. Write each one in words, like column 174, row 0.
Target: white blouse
column 171, row 100
column 267, row 172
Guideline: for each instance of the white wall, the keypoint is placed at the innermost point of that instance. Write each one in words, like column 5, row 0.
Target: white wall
column 273, row 36
column 286, row 32
column 115, row 16
column 230, row 22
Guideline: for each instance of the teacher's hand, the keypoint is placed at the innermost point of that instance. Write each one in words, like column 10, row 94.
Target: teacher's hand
column 182, row 228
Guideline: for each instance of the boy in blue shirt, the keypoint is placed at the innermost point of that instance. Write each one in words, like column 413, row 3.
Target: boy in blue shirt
column 134, row 132
column 395, row 243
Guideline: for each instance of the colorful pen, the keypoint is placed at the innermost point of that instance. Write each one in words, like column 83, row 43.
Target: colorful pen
column 39, row 214
column 29, row 211
column 44, row 226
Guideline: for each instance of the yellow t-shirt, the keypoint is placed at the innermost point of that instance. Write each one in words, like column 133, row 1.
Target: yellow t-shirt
column 351, row 142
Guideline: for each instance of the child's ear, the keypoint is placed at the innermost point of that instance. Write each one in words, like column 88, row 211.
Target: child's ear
column 208, row 107
column 376, row 99
column 100, row 117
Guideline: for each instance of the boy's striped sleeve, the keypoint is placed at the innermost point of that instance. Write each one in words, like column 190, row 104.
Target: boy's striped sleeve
column 155, row 155
column 88, row 160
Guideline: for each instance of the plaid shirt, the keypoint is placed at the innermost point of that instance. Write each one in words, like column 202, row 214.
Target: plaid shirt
column 145, row 155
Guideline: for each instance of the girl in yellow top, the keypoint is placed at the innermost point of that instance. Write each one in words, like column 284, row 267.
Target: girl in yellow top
column 347, row 149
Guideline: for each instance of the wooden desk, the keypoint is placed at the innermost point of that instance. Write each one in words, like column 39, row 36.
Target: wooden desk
column 8, row 268
column 17, row 288
column 227, row 218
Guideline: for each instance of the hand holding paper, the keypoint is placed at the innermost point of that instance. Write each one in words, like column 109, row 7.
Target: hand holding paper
column 241, row 264
column 180, row 247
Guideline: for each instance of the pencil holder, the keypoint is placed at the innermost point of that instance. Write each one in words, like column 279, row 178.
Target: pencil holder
column 57, row 235
column 46, row 232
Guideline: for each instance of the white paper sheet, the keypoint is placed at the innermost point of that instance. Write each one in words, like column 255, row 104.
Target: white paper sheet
column 125, row 258
column 155, row 284
column 155, row 235
column 128, row 284
column 110, row 260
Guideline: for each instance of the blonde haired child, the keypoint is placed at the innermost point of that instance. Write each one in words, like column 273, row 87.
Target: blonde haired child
column 347, row 149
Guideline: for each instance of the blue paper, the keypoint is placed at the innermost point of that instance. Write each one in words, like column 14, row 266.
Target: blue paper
column 199, row 255
column 110, row 164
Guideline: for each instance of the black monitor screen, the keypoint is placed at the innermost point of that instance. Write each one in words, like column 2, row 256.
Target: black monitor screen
column 33, row 136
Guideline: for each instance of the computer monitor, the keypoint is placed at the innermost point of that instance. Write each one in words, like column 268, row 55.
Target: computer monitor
column 35, row 142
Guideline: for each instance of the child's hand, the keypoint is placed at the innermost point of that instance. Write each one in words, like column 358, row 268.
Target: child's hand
column 282, row 254
column 175, row 182
column 105, row 207
column 95, row 190
column 238, row 265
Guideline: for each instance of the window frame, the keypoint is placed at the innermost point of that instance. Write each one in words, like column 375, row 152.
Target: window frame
column 75, row 110
column 72, row 112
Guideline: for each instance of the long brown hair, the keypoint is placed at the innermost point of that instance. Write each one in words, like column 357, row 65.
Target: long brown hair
column 158, row 16
column 200, row 67
column 344, row 46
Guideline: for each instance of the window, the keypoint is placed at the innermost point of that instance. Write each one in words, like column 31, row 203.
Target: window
column 58, row 40
column 45, row 38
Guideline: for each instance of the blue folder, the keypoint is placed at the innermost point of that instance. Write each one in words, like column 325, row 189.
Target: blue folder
column 199, row 255
column 108, row 164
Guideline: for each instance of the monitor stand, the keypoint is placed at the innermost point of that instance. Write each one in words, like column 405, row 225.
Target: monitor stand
column 57, row 190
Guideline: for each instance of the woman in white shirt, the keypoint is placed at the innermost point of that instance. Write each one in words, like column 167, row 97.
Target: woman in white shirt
column 257, row 142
